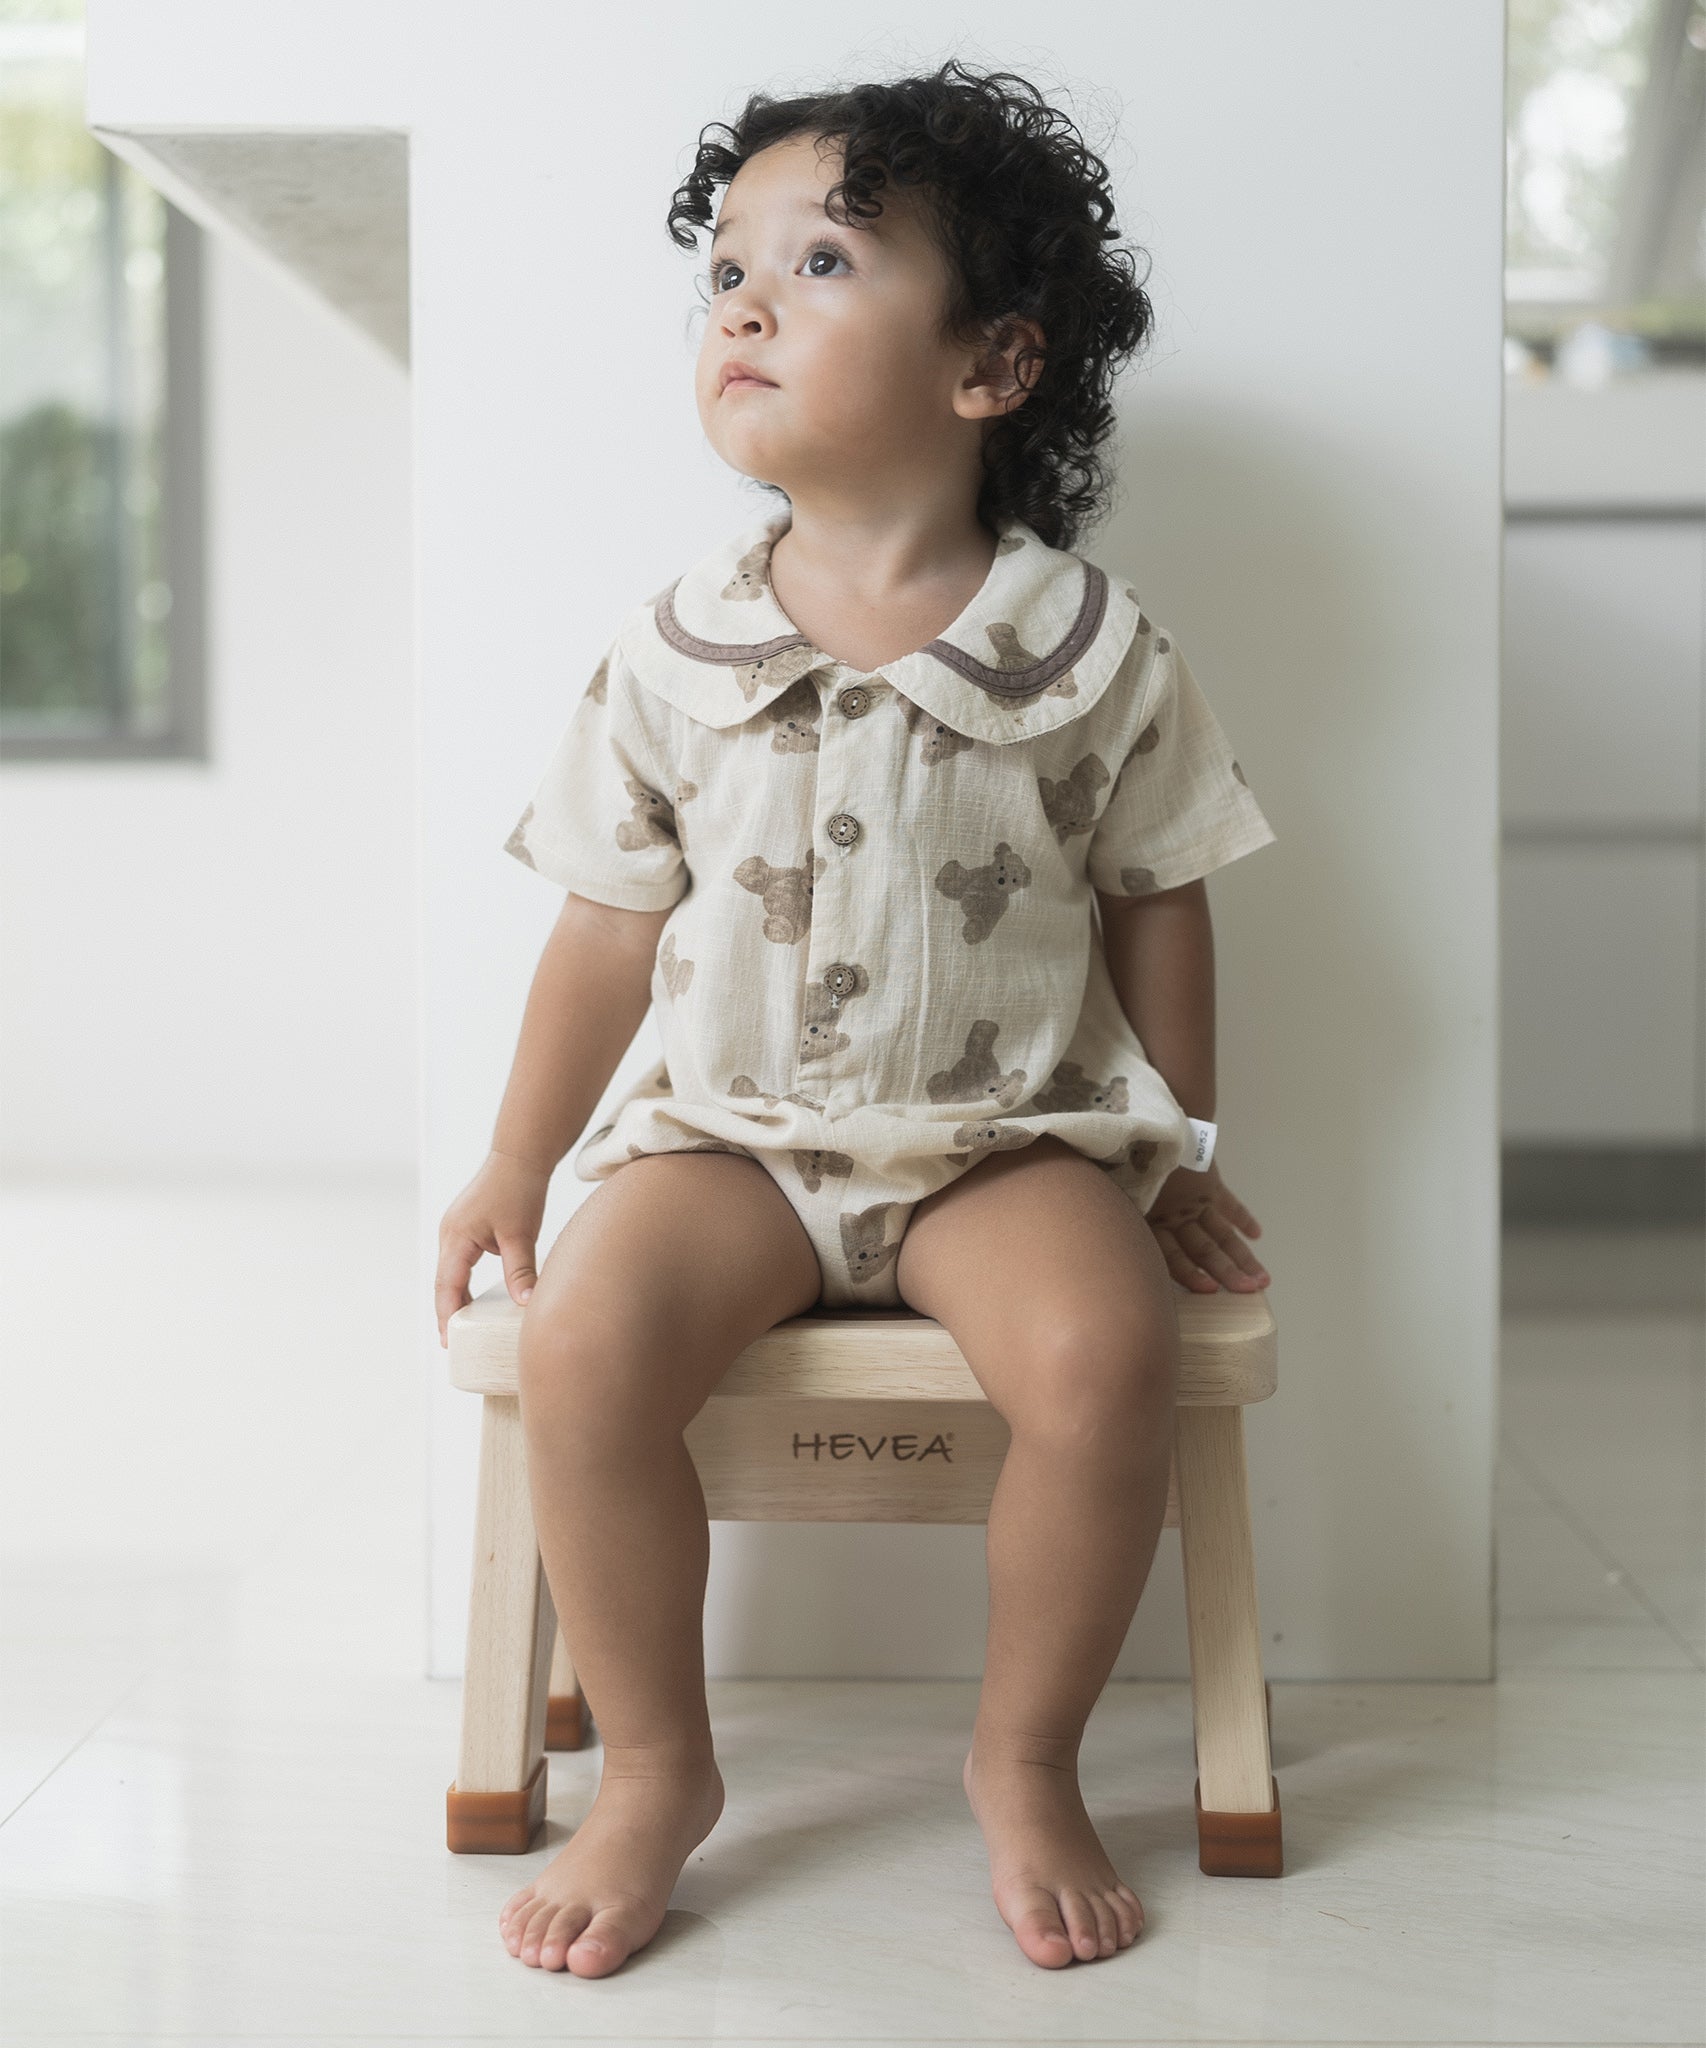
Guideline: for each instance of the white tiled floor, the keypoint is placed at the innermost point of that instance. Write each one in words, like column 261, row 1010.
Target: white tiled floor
column 223, row 1778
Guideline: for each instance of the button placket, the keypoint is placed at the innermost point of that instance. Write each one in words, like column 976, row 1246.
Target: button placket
column 837, row 766
column 853, row 700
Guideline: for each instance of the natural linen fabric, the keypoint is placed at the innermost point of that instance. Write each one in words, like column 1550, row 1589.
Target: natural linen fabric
column 881, row 960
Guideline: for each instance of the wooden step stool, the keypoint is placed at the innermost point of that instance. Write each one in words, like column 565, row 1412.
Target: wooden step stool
column 779, row 1442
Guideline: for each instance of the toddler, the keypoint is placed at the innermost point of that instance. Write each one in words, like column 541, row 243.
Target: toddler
column 898, row 810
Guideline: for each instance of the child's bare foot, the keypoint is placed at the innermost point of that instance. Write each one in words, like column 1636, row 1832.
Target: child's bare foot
column 606, row 1893
column 1051, row 1877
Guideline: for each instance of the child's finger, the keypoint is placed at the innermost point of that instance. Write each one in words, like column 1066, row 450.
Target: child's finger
column 456, row 1261
column 519, row 1274
column 1236, row 1249
column 1180, row 1264
column 1212, row 1257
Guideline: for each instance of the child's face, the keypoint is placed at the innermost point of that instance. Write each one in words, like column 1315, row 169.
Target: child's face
column 844, row 323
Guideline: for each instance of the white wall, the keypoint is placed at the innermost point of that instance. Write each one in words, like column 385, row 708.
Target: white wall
column 1312, row 468
column 212, row 964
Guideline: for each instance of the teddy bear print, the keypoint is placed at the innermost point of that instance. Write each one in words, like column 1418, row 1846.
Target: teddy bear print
column 787, row 894
column 1012, row 653
column 977, row 1073
column 676, row 973
column 685, row 792
column 1148, row 739
column 592, row 1139
column 747, row 1089
column 1240, row 774
column 653, row 820
column 941, row 742
column 696, row 1145
column 516, row 843
column 786, row 667
column 814, row 1165
column 1137, row 881
column 1009, row 543
column 658, row 1082
column 984, row 893
column 599, row 688
column 1070, row 804
column 991, row 1135
column 1138, row 1156
column 862, row 1242
column 751, row 577
column 1070, row 1088
column 795, row 714
column 820, row 1032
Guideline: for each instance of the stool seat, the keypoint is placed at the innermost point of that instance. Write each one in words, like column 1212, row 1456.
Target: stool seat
column 1228, row 1344
column 864, row 1415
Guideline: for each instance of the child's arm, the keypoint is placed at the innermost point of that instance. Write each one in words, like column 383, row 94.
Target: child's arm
column 1160, row 952
column 590, row 992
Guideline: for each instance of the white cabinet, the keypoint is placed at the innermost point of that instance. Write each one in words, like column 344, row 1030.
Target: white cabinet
column 1600, row 1017
column 1601, row 706
column 1602, row 765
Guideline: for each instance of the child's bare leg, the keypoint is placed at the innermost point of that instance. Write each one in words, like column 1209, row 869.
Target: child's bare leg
column 667, row 1271
column 1051, row 1283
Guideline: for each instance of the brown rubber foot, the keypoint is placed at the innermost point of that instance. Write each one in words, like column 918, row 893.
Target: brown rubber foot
column 565, row 1720
column 1239, row 1844
column 496, row 1823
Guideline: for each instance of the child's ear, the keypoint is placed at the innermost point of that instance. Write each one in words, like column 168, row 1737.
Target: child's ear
column 1003, row 376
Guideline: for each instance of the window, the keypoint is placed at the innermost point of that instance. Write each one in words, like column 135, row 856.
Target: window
column 1606, row 171
column 100, row 499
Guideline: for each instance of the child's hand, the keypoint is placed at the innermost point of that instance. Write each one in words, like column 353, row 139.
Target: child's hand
column 499, row 1211
column 1196, row 1219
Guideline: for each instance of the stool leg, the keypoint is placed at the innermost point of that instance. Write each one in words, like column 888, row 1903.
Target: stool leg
column 497, row 1804
column 1237, row 1800
column 565, row 1713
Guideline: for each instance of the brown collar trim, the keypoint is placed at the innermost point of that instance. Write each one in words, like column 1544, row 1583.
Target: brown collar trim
column 998, row 682
column 725, row 654
column 1035, row 675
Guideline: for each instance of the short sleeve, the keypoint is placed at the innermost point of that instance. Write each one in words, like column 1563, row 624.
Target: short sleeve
column 1180, row 806
column 602, row 821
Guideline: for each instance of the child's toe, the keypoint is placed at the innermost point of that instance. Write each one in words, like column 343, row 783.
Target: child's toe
column 533, row 1932
column 1080, row 1918
column 566, row 1924
column 1127, row 1913
column 606, row 1943
column 1039, row 1931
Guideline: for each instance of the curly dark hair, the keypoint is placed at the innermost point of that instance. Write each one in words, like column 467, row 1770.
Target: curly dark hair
column 1021, row 209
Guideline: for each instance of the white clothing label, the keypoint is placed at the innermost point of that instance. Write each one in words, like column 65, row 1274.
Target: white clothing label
column 1201, row 1149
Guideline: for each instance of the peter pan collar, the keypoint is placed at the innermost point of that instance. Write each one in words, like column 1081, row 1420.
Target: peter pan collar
column 1036, row 647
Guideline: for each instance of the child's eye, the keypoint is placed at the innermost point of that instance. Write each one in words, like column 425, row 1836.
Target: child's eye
column 724, row 275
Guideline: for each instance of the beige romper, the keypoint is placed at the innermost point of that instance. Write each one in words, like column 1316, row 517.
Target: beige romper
column 881, row 960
